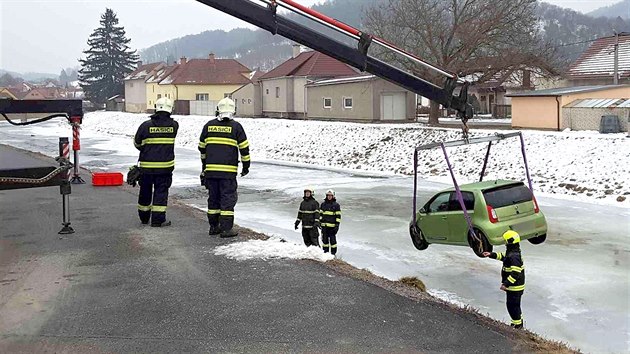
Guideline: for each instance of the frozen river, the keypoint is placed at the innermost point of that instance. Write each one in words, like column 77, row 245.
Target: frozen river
column 577, row 282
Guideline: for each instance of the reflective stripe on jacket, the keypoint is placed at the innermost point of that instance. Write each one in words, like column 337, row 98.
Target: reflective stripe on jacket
column 330, row 213
column 155, row 138
column 513, row 271
column 220, row 144
column 308, row 213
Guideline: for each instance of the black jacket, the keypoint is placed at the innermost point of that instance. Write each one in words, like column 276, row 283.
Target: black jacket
column 330, row 213
column 309, row 213
column 155, row 139
column 219, row 144
column 513, row 271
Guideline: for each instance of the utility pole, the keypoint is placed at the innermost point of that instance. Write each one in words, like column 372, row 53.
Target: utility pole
column 616, row 72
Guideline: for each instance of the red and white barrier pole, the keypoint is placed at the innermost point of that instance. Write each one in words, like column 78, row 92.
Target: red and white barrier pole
column 76, row 146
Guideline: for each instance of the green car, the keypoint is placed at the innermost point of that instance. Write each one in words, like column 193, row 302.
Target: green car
column 494, row 207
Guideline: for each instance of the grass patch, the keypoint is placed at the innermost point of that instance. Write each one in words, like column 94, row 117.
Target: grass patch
column 414, row 282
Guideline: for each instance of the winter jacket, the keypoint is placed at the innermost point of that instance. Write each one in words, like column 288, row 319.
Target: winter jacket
column 155, row 139
column 219, row 144
column 330, row 213
column 309, row 213
column 513, row 271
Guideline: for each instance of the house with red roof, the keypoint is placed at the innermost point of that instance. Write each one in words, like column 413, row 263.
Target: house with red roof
column 596, row 65
column 284, row 88
column 197, row 85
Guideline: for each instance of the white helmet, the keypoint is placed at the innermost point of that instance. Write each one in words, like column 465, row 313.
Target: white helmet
column 330, row 191
column 226, row 108
column 310, row 189
column 164, row 105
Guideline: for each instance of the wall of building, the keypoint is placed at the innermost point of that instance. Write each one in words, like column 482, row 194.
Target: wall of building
column 273, row 106
column 381, row 87
column 135, row 96
column 535, row 112
column 577, row 118
column 363, row 108
column 215, row 92
column 299, row 96
column 246, row 100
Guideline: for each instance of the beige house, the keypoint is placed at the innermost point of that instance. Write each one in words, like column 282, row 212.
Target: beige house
column 248, row 98
column 284, row 88
column 135, row 87
column 543, row 109
column 365, row 98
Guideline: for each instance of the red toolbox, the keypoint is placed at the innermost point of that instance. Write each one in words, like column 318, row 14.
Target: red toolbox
column 107, row 179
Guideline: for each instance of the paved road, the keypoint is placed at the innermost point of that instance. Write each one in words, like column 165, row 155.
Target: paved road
column 116, row 286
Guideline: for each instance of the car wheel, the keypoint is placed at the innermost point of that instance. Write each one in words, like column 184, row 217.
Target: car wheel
column 538, row 239
column 479, row 247
column 417, row 237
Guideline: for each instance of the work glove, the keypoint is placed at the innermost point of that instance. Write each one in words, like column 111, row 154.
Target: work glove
column 297, row 223
column 202, row 179
column 245, row 172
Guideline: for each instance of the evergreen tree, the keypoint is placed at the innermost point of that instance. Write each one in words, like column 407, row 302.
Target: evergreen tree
column 63, row 77
column 108, row 60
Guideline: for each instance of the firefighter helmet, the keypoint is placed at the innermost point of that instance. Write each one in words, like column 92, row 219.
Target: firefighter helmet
column 511, row 237
column 310, row 189
column 330, row 191
column 164, row 105
column 226, row 108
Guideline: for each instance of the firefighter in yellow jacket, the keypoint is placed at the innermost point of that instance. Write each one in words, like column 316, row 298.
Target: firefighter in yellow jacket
column 220, row 143
column 512, row 275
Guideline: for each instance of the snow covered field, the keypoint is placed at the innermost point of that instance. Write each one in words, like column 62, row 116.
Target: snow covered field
column 587, row 166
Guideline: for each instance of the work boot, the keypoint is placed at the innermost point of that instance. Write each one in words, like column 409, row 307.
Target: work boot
column 229, row 233
column 144, row 222
column 518, row 326
column 214, row 230
column 162, row 224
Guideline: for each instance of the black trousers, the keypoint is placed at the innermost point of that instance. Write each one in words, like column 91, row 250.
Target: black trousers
column 513, row 303
column 222, row 198
column 329, row 239
column 310, row 236
column 153, row 197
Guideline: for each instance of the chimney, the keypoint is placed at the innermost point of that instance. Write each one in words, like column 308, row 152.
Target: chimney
column 182, row 60
column 297, row 49
column 139, row 63
column 527, row 79
column 211, row 57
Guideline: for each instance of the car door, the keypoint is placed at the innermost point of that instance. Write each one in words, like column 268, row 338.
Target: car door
column 434, row 222
column 457, row 225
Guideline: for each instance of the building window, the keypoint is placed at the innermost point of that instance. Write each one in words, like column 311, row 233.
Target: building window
column 202, row 97
column 249, row 101
column 347, row 102
column 159, row 96
column 227, row 95
column 277, row 92
column 327, row 102
column 243, row 100
column 267, row 91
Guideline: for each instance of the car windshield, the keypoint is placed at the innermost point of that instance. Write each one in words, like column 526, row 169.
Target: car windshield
column 507, row 195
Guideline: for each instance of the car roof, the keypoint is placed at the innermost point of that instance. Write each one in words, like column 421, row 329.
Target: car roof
column 480, row 186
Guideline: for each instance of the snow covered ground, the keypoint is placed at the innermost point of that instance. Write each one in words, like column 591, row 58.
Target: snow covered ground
column 586, row 166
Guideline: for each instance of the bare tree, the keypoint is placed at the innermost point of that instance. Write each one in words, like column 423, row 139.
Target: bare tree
column 480, row 38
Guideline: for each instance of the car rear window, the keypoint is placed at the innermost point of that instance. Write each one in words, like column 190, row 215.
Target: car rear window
column 500, row 197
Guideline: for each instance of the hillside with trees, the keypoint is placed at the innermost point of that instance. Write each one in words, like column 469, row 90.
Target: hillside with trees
column 567, row 29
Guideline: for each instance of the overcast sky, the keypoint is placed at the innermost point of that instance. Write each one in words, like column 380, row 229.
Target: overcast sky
column 48, row 35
